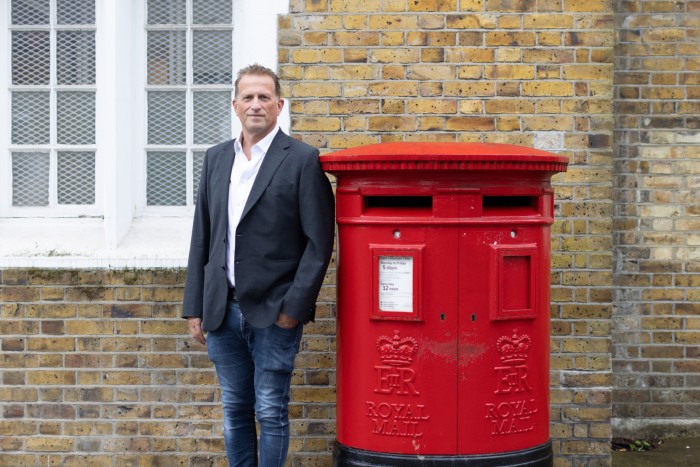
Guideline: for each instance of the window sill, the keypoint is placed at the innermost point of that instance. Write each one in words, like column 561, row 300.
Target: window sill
column 151, row 242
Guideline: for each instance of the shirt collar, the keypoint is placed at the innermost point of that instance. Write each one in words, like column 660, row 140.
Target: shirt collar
column 263, row 145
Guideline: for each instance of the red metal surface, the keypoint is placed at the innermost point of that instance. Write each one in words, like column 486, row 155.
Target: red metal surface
column 443, row 297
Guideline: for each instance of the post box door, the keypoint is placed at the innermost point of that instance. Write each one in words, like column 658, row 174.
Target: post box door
column 504, row 338
column 397, row 371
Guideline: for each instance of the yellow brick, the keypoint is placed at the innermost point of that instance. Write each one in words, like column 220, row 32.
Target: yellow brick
column 354, row 72
column 315, row 5
column 509, row 22
column 355, row 38
column 355, row 22
column 471, row 21
column 89, row 327
column 469, row 54
column 434, row 55
column 471, row 5
column 355, row 55
column 49, row 444
column 509, row 72
column 601, row 6
column 395, row 89
column 510, row 106
column 317, row 56
column 470, row 72
column 471, row 106
column 548, row 21
column 50, row 377
column 588, row 72
column 431, row 72
column 510, row 38
column 470, row 124
column 354, row 106
column 394, row 55
column 382, row 22
column 315, row 90
column 548, row 88
column 428, row 123
column 337, row 6
column 544, row 123
column 469, row 88
column 393, row 106
column 392, row 38
column 432, row 21
column 315, row 124
column 392, row 124
column 432, row 106
column 508, row 54
column 342, row 141
column 432, row 5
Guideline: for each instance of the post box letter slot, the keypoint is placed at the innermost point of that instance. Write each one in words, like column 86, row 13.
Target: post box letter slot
column 508, row 205
column 398, row 206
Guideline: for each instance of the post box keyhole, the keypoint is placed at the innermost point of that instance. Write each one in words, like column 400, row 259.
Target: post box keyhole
column 442, row 316
column 513, row 234
column 397, row 234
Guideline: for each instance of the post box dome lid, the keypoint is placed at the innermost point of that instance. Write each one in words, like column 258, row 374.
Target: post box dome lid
column 442, row 156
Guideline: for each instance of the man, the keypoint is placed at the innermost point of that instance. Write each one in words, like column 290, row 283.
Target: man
column 262, row 238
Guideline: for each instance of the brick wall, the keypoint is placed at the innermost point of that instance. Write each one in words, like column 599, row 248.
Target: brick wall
column 511, row 71
column 657, row 217
column 96, row 368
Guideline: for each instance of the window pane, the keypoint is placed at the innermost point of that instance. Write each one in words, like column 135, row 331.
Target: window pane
column 30, row 179
column 212, row 117
column 30, row 12
column 167, row 117
column 197, row 162
column 31, row 118
column 211, row 11
column 76, row 11
column 75, row 53
column 167, row 11
column 31, row 57
column 211, row 57
column 166, row 179
column 167, row 54
column 76, row 117
column 76, row 178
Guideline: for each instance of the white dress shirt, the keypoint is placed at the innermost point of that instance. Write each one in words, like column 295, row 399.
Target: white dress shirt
column 243, row 175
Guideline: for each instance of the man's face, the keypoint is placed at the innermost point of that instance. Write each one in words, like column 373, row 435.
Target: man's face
column 256, row 104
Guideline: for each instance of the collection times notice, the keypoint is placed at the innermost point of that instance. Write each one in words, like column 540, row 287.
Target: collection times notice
column 396, row 283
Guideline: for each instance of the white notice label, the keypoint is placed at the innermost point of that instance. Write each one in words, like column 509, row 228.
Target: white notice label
column 396, row 283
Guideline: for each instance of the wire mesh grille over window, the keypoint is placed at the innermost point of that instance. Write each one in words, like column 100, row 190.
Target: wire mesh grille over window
column 167, row 177
column 75, row 57
column 30, row 12
column 76, row 117
column 31, row 57
column 31, row 118
column 167, row 117
column 75, row 11
column 30, row 179
column 76, row 178
column 212, row 60
column 52, row 95
column 212, row 116
column 189, row 83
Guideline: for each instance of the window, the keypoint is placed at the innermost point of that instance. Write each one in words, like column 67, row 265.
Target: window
column 106, row 112
column 52, row 99
column 189, row 86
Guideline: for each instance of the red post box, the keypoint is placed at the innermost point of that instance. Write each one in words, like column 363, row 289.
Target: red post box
column 443, row 304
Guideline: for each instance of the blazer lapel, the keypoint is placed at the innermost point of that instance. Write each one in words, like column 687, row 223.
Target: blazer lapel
column 227, row 157
column 273, row 158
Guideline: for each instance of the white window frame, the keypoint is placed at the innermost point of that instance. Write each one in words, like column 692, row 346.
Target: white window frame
column 52, row 148
column 129, row 233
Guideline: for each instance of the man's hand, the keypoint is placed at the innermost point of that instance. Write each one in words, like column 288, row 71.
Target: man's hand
column 286, row 321
column 195, row 327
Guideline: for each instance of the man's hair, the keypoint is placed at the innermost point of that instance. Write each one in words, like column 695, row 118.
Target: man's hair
column 257, row 69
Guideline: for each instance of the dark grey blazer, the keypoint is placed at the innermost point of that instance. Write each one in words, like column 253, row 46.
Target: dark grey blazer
column 284, row 239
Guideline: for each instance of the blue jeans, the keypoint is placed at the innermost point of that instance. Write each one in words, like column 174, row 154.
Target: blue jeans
column 254, row 366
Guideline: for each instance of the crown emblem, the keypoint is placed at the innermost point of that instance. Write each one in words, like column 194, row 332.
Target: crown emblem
column 396, row 351
column 513, row 349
